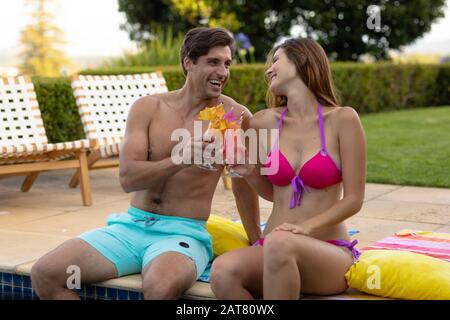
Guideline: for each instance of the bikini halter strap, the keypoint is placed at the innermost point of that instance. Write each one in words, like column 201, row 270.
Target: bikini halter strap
column 280, row 123
column 321, row 126
column 322, row 131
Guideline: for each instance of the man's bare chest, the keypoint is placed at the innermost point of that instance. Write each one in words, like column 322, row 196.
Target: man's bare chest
column 164, row 136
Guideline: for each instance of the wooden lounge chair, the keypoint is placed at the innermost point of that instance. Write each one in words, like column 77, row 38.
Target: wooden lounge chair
column 24, row 148
column 103, row 103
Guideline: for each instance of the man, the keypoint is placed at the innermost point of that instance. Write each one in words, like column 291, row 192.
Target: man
column 163, row 235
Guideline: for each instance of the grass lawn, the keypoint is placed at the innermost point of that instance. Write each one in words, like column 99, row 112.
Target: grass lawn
column 409, row 147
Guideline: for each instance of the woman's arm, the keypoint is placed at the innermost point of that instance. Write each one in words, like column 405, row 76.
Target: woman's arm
column 247, row 201
column 259, row 182
column 252, row 171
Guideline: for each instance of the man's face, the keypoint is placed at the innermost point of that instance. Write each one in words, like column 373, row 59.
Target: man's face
column 211, row 72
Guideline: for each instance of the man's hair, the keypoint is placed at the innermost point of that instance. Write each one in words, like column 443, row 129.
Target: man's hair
column 199, row 41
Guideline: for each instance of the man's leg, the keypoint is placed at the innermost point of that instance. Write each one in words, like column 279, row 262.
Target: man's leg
column 172, row 265
column 101, row 254
column 168, row 276
column 49, row 274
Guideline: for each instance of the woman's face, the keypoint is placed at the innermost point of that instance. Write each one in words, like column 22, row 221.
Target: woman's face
column 281, row 72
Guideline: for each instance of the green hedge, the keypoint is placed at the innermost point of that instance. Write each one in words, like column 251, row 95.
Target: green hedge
column 246, row 85
column 366, row 87
column 58, row 108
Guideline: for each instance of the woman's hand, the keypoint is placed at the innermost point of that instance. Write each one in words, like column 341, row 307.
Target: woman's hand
column 244, row 170
column 297, row 229
column 242, row 164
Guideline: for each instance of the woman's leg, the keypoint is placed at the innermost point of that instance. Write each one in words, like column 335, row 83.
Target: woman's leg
column 238, row 274
column 295, row 263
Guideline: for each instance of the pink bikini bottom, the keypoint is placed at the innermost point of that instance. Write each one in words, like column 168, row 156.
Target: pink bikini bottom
column 339, row 243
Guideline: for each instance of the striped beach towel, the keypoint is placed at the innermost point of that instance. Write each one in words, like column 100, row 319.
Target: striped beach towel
column 430, row 243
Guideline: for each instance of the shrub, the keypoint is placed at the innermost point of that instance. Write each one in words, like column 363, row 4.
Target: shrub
column 58, row 108
column 366, row 87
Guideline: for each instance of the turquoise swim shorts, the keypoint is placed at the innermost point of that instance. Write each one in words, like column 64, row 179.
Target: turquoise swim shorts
column 132, row 240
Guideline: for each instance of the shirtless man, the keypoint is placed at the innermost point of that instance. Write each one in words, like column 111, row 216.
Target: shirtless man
column 163, row 235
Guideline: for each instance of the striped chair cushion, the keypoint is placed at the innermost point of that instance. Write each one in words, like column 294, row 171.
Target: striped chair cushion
column 104, row 101
column 41, row 152
column 110, row 150
column 22, row 133
column 20, row 118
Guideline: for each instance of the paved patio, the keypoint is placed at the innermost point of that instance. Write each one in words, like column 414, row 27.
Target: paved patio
column 33, row 223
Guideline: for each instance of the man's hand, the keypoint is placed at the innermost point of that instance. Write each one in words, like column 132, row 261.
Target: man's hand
column 195, row 148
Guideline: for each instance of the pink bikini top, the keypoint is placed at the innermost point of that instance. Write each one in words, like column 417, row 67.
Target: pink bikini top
column 318, row 172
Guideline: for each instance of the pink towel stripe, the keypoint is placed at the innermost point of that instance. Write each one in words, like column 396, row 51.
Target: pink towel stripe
column 435, row 255
column 432, row 244
column 427, row 238
column 418, row 243
column 415, row 248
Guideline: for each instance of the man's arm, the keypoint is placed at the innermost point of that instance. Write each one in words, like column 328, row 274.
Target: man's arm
column 247, row 200
column 136, row 171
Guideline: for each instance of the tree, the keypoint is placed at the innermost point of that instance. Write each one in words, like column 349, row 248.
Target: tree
column 346, row 28
column 142, row 16
column 264, row 21
column 349, row 28
column 40, row 40
column 180, row 15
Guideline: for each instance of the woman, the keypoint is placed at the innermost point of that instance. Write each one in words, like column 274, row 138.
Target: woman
column 320, row 151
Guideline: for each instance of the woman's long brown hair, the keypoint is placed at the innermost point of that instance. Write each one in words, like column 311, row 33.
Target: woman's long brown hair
column 313, row 68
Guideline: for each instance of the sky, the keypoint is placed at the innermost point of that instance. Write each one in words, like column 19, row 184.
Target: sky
column 91, row 28
column 437, row 40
